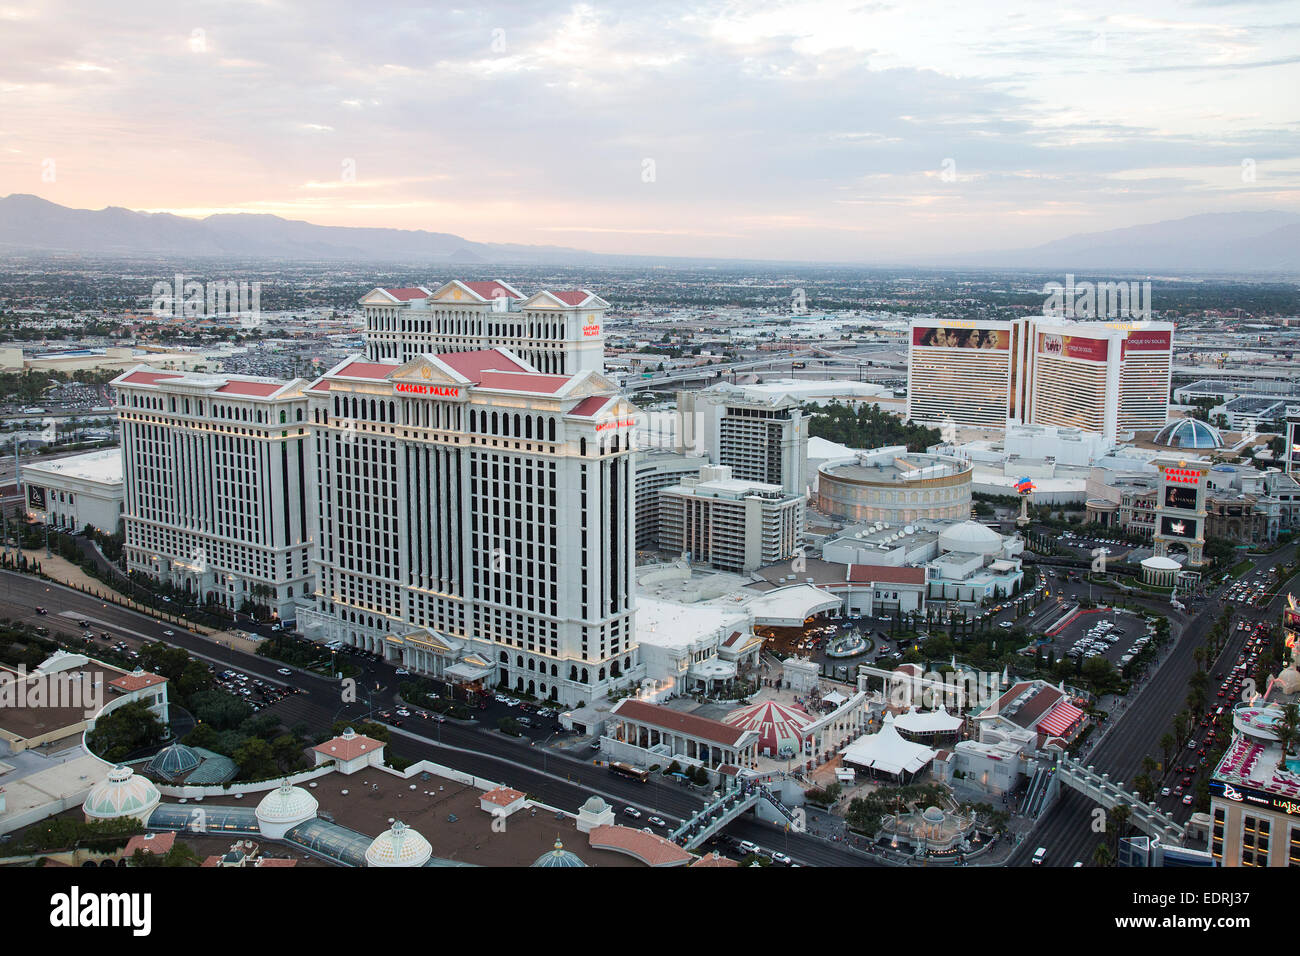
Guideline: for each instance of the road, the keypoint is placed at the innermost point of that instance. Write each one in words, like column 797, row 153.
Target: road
column 525, row 764
column 1066, row 828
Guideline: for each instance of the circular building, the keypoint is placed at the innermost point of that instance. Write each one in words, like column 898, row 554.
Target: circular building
column 121, row 794
column 1160, row 572
column 283, row 809
column 399, row 845
column 895, row 487
column 780, row 726
column 174, row 762
column 970, row 537
column 559, row 857
column 1188, row 433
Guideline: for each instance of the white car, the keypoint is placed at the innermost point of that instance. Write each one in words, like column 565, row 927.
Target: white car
column 285, row 671
column 403, row 712
column 402, row 672
column 781, row 858
column 1164, row 791
column 169, row 633
column 632, row 812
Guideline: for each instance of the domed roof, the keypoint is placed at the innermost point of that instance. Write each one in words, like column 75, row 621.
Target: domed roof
column 1157, row 563
column 932, row 815
column 1188, row 433
column 286, row 804
column 121, row 794
column 970, row 537
column 595, row 805
column 1289, row 680
column 558, row 856
column 780, row 726
column 174, row 761
column 399, row 845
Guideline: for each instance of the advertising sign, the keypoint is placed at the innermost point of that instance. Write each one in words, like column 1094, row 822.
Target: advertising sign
column 1146, row 340
column 946, row 338
column 1180, row 496
column 1073, row 347
column 1177, row 527
column 35, row 498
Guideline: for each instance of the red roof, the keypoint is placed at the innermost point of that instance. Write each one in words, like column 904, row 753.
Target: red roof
column 1060, row 720
column 406, row 295
column 492, row 290
column 571, row 296
column 649, row 848
column 885, row 574
column 146, row 378
column 348, row 748
column 133, row 682
column 374, row 370
column 473, row 364
column 524, row 381
column 590, row 406
column 259, row 389
column 159, row 843
column 669, row 719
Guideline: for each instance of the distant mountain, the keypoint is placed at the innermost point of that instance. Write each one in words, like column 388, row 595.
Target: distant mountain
column 1240, row 242
column 1213, row 242
column 31, row 224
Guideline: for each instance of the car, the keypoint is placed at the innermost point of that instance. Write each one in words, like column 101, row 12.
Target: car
column 169, row 633
column 1164, row 791
column 83, row 623
column 41, row 610
column 747, row 848
column 402, row 672
column 438, row 718
column 781, row 858
column 632, row 812
column 285, row 671
column 1187, row 800
column 1039, row 855
column 403, row 712
column 658, row 821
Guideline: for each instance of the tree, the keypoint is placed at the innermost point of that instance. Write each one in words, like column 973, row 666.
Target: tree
column 1102, row 856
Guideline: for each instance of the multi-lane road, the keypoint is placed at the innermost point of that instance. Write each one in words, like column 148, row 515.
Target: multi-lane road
column 1066, row 828
column 527, row 764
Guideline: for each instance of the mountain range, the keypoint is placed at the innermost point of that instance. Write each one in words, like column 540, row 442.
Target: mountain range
column 1217, row 243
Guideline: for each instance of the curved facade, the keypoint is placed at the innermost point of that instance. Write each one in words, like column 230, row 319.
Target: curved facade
column 1188, row 433
column 895, row 486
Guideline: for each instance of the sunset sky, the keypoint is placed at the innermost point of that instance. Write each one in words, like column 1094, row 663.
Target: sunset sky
column 808, row 130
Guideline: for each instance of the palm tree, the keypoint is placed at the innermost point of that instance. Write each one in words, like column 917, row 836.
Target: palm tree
column 1167, row 745
column 1102, row 856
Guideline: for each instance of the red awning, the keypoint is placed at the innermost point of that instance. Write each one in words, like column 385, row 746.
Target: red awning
column 1060, row 720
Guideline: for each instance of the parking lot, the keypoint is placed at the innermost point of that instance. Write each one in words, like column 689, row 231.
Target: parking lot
column 1118, row 636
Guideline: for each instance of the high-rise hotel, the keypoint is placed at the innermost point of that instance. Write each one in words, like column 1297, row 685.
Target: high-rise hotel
column 475, row 520
column 215, row 469
column 1103, row 377
column 556, row 332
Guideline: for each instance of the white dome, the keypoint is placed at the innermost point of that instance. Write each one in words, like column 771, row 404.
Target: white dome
column 970, row 537
column 1156, row 563
column 122, row 794
column 399, row 845
column 286, row 804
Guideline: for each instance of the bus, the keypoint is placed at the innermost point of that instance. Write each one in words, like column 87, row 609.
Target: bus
column 632, row 773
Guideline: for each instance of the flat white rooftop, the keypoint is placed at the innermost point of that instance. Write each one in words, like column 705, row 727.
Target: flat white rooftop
column 104, row 466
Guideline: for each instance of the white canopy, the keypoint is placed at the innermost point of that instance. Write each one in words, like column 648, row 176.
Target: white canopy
column 887, row 752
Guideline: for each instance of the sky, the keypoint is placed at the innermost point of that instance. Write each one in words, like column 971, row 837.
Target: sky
column 806, row 129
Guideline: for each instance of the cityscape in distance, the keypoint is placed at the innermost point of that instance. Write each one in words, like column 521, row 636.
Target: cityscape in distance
column 549, row 458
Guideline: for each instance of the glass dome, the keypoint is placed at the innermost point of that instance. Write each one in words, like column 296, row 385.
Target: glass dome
column 1188, row 433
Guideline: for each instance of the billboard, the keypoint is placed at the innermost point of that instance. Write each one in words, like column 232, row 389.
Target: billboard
column 35, row 498
column 942, row 337
column 1073, row 347
column 1147, row 340
column 1180, row 496
column 1177, row 527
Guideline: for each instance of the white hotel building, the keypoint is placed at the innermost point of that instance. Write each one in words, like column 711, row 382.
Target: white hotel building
column 555, row 332
column 215, row 469
column 1098, row 376
column 475, row 521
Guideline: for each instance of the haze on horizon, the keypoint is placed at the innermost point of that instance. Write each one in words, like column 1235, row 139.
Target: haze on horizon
column 779, row 130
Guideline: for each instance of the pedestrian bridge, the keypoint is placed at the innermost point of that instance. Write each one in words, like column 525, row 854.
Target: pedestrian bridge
column 1147, row 817
column 712, row 818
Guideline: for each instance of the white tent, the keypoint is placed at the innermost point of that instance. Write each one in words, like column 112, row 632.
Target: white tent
column 887, row 752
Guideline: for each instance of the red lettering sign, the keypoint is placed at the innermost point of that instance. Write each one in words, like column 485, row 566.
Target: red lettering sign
column 1183, row 476
column 413, row 388
column 620, row 423
column 591, row 330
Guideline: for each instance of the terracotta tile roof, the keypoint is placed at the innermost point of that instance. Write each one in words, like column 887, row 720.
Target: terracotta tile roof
column 502, row 796
column 406, row 295
column 159, row 843
column 524, row 382
column 714, row 859
column 133, row 682
column 571, row 296
column 647, row 847
column 885, row 574
column 492, row 290
column 343, row 748
column 259, row 389
column 590, row 406
column 474, row 364
column 700, row 727
column 146, row 378
column 369, row 370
